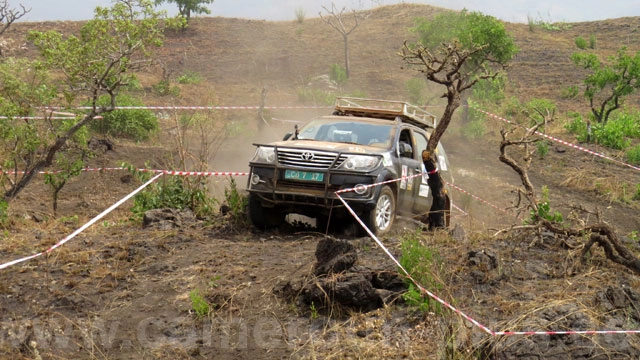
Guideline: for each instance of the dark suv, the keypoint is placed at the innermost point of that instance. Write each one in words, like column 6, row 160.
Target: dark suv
column 364, row 142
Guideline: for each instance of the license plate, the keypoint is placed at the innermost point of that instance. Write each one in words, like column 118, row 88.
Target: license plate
column 303, row 175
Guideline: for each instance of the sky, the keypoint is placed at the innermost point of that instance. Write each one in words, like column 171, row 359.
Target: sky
column 507, row 10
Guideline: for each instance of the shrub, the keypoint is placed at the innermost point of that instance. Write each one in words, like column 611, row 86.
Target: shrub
column 190, row 77
column 136, row 124
column 490, row 90
column 164, row 88
column 613, row 134
column 4, row 213
column 237, row 203
column 300, row 15
column 633, row 155
column 338, row 74
column 570, row 92
column 581, row 43
column 577, row 126
column 592, row 41
column 544, row 211
column 542, row 148
column 421, row 262
column 475, row 127
column 199, row 304
column 175, row 192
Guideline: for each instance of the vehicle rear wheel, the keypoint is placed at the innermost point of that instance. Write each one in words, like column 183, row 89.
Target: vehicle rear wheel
column 263, row 217
column 381, row 217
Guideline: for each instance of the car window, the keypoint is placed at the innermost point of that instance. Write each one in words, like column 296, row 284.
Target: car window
column 405, row 138
column 421, row 144
column 348, row 132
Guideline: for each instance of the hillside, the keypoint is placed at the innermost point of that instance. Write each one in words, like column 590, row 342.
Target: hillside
column 122, row 291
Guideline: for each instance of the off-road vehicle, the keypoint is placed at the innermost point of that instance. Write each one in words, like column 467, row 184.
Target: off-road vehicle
column 364, row 142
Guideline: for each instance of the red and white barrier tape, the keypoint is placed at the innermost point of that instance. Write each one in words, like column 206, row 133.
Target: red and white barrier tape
column 422, row 289
column 447, row 304
column 563, row 142
column 83, row 227
column 479, row 199
column 166, row 172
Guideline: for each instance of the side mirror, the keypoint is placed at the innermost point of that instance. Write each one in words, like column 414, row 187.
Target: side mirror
column 287, row 136
column 405, row 149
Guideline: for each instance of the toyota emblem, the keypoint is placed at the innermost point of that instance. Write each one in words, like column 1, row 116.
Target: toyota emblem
column 307, row 156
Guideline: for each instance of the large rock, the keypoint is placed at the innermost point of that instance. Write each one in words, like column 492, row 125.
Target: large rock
column 339, row 282
column 334, row 256
column 167, row 219
column 353, row 290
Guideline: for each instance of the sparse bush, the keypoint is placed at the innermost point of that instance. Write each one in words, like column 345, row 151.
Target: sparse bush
column 199, row 304
column 577, row 126
column 613, row 134
column 421, row 262
column 164, row 88
column 175, row 192
column 570, row 92
column 236, row 202
column 490, row 90
column 512, row 107
column 592, row 41
column 531, row 21
column 581, row 43
column 633, row 155
column 4, row 214
column 338, row 74
column 636, row 196
column 542, row 148
column 475, row 127
column 190, row 77
column 544, row 210
column 136, row 124
column 300, row 15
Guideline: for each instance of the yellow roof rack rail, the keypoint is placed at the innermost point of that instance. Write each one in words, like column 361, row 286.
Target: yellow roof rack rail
column 385, row 109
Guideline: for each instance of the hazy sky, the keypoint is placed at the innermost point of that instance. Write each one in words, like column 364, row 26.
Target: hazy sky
column 508, row 10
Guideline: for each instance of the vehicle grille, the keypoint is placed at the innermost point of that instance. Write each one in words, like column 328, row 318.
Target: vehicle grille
column 310, row 159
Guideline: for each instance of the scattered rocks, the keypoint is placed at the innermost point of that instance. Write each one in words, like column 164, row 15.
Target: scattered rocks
column 167, row 219
column 340, row 282
column 100, row 145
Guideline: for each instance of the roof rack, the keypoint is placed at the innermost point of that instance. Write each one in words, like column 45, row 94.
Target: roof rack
column 386, row 109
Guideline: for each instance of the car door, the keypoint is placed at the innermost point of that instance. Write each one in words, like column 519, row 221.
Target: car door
column 409, row 166
column 422, row 196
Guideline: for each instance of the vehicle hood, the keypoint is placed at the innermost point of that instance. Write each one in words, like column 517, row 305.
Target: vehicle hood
column 329, row 146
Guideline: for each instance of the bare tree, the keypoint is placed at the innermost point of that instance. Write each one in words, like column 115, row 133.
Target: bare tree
column 9, row 15
column 336, row 20
column 542, row 219
column 449, row 68
column 456, row 50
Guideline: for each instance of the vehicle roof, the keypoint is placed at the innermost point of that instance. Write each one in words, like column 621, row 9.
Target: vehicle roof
column 386, row 109
column 369, row 120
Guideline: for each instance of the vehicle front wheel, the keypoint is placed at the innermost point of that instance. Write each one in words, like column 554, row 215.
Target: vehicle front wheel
column 381, row 217
column 262, row 217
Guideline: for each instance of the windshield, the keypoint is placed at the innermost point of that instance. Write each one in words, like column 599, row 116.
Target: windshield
column 336, row 130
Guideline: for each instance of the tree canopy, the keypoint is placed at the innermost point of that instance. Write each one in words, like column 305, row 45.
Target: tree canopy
column 455, row 50
column 610, row 82
column 72, row 69
column 188, row 7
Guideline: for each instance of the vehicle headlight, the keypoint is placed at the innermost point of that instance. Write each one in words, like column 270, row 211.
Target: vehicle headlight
column 265, row 155
column 360, row 163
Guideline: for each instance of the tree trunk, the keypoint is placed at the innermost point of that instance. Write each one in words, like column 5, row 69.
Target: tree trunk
column 346, row 56
column 437, row 213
